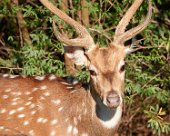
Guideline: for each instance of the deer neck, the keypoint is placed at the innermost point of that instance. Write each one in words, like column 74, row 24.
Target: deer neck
column 108, row 118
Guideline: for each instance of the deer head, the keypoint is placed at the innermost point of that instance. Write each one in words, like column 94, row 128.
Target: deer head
column 106, row 65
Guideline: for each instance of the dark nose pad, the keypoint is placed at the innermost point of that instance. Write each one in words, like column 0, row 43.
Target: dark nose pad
column 113, row 99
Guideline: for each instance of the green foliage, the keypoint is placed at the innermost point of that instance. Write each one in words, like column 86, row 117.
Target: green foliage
column 83, row 76
column 156, row 121
column 39, row 62
column 148, row 70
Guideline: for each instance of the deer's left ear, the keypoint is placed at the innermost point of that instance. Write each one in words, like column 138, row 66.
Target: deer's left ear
column 76, row 55
column 129, row 50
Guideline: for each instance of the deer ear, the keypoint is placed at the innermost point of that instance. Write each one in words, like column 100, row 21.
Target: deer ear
column 128, row 50
column 75, row 55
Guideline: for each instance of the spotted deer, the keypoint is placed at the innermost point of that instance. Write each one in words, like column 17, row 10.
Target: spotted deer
column 50, row 106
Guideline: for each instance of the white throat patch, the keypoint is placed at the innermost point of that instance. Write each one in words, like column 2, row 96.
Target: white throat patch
column 114, row 120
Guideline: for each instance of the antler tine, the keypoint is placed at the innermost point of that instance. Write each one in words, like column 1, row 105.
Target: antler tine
column 120, row 35
column 126, row 18
column 134, row 31
column 84, row 40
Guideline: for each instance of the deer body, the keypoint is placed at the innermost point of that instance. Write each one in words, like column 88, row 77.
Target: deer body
column 52, row 106
column 49, row 106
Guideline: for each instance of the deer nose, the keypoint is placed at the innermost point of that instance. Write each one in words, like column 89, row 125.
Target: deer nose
column 113, row 99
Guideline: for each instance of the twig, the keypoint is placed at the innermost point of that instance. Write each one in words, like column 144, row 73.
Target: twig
column 92, row 29
column 24, row 34
column 21, row 39
column 132, row 116
column 71, row 7
column 11, row 68
column 167, row 21
column 30, row 2
column 150, row 80
column 110, row 28
column 153, row 77
column 3, row 44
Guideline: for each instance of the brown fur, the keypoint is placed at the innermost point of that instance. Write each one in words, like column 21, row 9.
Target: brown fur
column 77, row 109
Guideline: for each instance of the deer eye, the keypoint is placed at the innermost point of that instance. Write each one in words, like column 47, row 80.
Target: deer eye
column 122, row 68
column 92, row 72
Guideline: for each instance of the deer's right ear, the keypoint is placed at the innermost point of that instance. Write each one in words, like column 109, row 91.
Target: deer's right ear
column 76, row 55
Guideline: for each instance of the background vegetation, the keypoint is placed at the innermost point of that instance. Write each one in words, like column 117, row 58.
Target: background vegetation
column 28, row 46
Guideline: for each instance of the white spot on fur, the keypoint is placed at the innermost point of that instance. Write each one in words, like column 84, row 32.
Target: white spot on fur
column 28, row 103
column 40, row 78
column 33, row 112
column 85, row 111
column 66, row 120
column 54, row 122
column 15, row 99
column 53, row 133
column 42, row 98
column 16, row 94
column 26, row 123
column 27, row 93
column 32, row 106
column 83, row 104
column 13, row 76
column 69, row 129
column 84, row 134
column 75, row 131
column 7, row 90
column 34, row 89
column 56, row 102
column 69, row 87
column 44, row 120
column 75, row 121
column 14, row 103
column 5, row 97
column 5, row 75
column 73, row 91
column 12, row 112
column 52, row 77
column 21, row 115
column 32, row 133
column 65, row 83
column 44, row 87
column 2, row 127
column 23, row 76
column 30, row 98
column 19, row 93
column 47, row 94
column 20, row 109
column 75, row 81
column 79, row 117
column 40, row 120
column 60, row 109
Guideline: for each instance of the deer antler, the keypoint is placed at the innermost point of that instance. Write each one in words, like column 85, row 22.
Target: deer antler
column 84, row 39
column 120, row 35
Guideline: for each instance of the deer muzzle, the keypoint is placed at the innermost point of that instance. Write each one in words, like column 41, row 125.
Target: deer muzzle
column 113, row 99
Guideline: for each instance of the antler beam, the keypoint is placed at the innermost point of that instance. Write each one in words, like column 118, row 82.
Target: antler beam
column 84, row 40
column 120, row 35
